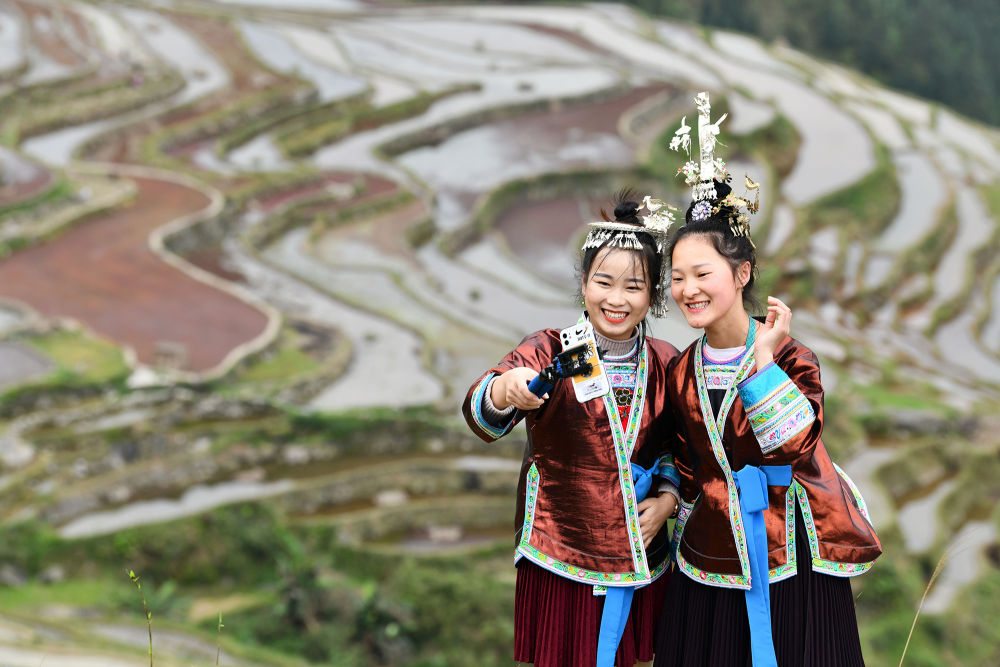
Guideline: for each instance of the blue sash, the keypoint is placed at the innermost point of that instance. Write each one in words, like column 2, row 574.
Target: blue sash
column 618, row 599
column 752, row 483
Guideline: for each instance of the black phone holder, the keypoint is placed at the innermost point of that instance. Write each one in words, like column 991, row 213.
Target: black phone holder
column 566, row 364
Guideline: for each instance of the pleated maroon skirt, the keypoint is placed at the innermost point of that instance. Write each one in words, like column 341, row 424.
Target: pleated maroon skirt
column 557, row 620
column 813, row 622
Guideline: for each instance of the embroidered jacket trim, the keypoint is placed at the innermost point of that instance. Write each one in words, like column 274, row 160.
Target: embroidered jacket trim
column 476, row 408
column 715, row 424
column 776, row 409
column 624, row 441
column 819, row 564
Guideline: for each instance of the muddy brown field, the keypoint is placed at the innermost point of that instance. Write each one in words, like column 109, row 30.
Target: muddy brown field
column 103, row 274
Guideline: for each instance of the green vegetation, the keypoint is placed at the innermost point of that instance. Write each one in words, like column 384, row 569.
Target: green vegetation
column 304, row 359
column 321, row 601
column 775, row 145
column 887, row 600
column 989, row 277
column 864, row 208
column 84, row 366
column 434, row 134
column 59, row 190
column 33, row 117
column 924, row 464
column 337, row 120
column 323, row 211
column 918, row 260
column 420, row 233
column 286, row 363
column 157, row 146
column 941, row 51
column 977, row 488
column 80, row 358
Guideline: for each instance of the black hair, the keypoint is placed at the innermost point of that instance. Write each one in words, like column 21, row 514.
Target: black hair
column 734, row 248
column 650, row 260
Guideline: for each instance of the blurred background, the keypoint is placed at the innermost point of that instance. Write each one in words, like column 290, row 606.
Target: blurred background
column 254, row 252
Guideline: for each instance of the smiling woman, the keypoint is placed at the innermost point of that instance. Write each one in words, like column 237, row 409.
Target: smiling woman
column 591, row 548
column 616, row 294
column 618, row 285
column 769, row 526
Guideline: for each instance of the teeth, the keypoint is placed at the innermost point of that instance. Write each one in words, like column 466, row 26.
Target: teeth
column 611, row 315
column 701, row 305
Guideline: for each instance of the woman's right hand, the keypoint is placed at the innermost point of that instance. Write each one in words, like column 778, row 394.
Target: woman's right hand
column 775, row 329
column 511, row 388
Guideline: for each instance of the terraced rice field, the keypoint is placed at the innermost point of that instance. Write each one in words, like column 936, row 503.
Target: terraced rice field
column 332, row 207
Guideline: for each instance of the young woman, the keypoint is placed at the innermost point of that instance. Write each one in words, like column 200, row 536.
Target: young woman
column 769, row 526
column 585, row 534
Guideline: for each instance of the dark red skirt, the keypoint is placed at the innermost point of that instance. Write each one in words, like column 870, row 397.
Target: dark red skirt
column 557, row 620
column 813, row 622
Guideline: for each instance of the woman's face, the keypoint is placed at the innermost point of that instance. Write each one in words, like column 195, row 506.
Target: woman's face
column 616, row 293
column 703, row 284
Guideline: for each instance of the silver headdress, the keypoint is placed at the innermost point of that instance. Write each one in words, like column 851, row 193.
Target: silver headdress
column 655, row 222
column 702, row 175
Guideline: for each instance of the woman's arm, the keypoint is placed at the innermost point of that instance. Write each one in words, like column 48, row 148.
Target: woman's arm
column 488, row 403
column 783, row 399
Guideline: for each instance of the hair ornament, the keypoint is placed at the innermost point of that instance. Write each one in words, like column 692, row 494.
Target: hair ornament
column 701, row 211
column 656, row 222
column 708, row 172
column 661, row 215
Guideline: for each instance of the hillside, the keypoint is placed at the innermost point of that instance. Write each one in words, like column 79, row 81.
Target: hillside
column 254, row 253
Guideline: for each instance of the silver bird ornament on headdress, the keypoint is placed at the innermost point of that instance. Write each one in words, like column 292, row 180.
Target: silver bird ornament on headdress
column 682, row 137
column 708, row 170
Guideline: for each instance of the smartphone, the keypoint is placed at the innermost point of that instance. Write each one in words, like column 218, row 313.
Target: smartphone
column 595, row 384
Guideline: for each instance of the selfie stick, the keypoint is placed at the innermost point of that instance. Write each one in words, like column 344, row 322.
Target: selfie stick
column 566, row 364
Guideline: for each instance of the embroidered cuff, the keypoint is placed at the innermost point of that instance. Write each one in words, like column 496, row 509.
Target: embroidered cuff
column 492, row 414
column 666, row 470
column 495, row 423
column 777, row 410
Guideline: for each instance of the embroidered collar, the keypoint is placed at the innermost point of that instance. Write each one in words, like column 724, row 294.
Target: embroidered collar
column 715, row 425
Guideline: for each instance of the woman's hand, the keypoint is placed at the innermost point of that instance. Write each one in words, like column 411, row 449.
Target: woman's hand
column 653, row 513
column 774, row 330
column 511, row 388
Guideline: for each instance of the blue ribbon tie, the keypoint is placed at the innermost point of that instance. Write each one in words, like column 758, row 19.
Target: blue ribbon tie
column 618, row 599
column 752, row 483
column 642, row 480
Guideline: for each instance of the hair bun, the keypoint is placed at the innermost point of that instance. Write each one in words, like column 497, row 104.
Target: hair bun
column 627, row 211
column 722, row 188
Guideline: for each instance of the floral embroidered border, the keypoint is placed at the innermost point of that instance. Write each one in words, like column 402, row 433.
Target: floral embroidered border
column 790, row 568
column 624, row 440
column 862, row 505
column 819, row 564
column 714, row 425
column 776, row 408
column 477, row 410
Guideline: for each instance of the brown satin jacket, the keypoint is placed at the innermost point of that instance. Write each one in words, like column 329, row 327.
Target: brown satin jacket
column 576, row 506
column 784, row 426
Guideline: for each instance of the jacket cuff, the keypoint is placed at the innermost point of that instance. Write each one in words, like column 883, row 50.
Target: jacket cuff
column 487, row 417
column 666, row 470
column 775, row 407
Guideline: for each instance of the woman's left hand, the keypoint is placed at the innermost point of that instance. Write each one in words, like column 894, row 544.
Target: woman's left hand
column 775, row 329
column 653, row 513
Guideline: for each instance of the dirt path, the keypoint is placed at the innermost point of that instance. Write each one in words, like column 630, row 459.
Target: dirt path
column 103, row 274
